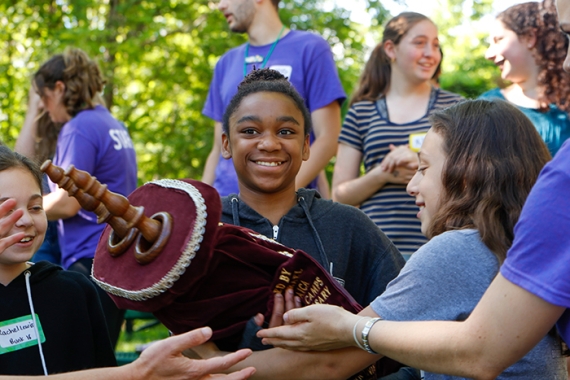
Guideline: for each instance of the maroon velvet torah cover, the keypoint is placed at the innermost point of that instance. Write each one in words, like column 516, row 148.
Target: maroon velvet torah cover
column 211, row 274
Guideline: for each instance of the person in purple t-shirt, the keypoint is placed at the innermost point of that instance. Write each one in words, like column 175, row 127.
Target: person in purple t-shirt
column 92, row 140
column 305, row 58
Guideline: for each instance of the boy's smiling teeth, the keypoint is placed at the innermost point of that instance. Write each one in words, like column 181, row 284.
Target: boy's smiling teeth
column 26, row 239
column 264, row 163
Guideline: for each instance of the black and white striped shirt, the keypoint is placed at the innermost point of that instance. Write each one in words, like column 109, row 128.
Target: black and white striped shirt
column 367, row 128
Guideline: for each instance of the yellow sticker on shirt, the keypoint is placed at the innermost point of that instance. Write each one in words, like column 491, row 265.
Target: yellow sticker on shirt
column 416, row 141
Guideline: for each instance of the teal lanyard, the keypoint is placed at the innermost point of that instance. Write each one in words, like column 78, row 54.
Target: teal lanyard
column 266, row 56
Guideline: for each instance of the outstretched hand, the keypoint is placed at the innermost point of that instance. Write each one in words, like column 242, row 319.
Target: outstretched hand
column 164, row 360
column 314, row 327
column 7, row 221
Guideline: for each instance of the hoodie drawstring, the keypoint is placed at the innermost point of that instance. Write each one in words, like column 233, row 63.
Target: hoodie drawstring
column 324, row 258
column 301, row 201
column 27, row 275
column 235, row 211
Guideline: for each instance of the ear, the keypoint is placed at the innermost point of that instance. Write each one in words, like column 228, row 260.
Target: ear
column 226, row 150
column 530, row 39
column 59, row 87
column 306, row 148
column 390, row 49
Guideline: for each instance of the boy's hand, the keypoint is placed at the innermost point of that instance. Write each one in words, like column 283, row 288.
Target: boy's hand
column 280, row 306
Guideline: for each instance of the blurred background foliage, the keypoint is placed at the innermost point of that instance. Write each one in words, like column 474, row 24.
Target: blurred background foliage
column 158, row 58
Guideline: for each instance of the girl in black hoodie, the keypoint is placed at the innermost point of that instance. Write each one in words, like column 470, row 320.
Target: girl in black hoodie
column 50, row 319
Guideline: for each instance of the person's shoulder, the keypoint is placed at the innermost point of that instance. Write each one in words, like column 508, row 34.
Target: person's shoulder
column 233, row 51
column 363, row 106
column 231, row 55
column 306, row 35
column 459, row 246
column 53, row 275
column 494, row 93
column 307, row 40
column 456, row 236
column 97, row 111
column 444, row 96
column 75, row 280
column 98, row 119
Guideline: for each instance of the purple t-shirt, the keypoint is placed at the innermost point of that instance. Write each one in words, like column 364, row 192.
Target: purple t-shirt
column 96, row 142
column 539, row 260
column 303, row 57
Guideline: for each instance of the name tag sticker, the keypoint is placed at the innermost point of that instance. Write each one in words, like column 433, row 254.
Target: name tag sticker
column 286, row 70
column 19, row 333
column 416, row 141
column 254, row 59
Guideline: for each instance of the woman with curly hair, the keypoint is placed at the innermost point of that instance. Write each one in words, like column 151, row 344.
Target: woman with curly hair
column 70, row 86
column 529, row 48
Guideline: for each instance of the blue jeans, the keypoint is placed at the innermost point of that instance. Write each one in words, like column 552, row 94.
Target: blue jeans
column 405, row 373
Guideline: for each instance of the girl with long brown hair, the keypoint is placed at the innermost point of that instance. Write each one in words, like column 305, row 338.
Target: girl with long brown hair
column 477, row 166
column 394, row 100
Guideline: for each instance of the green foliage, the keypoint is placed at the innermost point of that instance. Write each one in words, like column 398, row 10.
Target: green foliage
column 464, row 70
column 140, row 336
column 158, row 59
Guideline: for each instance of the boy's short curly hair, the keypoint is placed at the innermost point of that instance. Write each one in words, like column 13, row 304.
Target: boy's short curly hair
column 265, row 80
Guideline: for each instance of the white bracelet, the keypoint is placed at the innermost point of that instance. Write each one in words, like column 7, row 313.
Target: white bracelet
column 365, row 332
column 354, row 334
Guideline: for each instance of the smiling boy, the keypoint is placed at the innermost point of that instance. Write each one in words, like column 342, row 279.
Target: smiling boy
column 266, row 132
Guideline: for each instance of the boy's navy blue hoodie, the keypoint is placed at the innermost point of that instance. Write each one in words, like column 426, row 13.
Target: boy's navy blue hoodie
column 338, row 236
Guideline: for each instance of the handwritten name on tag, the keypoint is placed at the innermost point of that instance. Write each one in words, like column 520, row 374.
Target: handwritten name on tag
column 19, row 333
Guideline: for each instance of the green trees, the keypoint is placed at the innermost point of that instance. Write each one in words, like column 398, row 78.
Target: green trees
column 158, row 58
column 465, row 69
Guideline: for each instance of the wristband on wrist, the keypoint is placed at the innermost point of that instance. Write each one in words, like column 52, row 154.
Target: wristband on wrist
column 366, row 332
column 354, row 334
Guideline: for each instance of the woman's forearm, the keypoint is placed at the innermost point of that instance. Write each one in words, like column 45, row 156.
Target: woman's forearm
column 26, row 142
column 506, row 324
column 355, row 191
column 281, row 364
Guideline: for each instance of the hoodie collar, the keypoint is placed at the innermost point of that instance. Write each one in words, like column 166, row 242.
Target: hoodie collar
column 301, row 211
column 241, row 211
column 38, row 272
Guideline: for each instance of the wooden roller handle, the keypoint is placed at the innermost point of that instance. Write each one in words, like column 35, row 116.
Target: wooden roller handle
column 87, row 201
column 155, row 231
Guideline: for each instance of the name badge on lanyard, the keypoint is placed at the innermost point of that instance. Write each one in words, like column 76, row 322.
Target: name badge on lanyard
column 253, row 59
column 19, row 333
